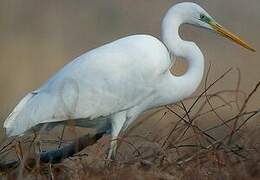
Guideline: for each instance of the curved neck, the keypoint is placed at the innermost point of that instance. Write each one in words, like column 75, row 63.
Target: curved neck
column 189, row 51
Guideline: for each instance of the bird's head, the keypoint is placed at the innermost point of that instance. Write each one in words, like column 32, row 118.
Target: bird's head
column 193, row 14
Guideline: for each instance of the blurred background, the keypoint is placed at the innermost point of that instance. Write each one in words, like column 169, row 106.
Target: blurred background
column 38, row 37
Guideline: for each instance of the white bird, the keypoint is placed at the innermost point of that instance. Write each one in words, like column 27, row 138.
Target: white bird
column 110, row 86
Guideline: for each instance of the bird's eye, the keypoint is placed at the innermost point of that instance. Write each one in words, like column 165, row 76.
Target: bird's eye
column 202, row 16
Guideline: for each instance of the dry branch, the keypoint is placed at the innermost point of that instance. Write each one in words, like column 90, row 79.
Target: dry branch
column 57, row 155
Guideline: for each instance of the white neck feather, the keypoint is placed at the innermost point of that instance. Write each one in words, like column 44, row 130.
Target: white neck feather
column 188, row 82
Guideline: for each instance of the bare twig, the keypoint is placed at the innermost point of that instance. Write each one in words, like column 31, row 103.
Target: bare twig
column 55, row 156
column 234, row 129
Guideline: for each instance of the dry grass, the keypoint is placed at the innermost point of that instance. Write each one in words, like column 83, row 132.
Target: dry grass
column 198, row 141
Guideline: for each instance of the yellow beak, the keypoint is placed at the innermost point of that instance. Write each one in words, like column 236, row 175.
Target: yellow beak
column 226, row 33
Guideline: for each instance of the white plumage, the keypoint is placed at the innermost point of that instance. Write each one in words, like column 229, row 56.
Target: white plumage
column 100, row 82
column 118, row 81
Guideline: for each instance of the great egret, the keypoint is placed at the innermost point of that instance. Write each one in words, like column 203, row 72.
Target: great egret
column 110, row 86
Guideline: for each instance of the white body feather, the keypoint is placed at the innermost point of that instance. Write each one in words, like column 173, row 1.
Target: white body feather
column 118, row 76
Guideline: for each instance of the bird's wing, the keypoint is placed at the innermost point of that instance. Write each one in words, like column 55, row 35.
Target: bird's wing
column 106, row 80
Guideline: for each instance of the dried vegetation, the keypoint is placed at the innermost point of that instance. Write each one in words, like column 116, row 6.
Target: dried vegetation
column 199, row 140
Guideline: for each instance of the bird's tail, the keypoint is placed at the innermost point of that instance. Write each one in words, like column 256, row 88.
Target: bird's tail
column 12, row 125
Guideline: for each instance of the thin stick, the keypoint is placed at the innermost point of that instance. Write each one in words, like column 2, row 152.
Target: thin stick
column 212, row 84
column 241, row 110
column 62, row 134
column 208, row 100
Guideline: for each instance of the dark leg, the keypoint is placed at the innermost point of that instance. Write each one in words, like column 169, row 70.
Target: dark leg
column 55, row 156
